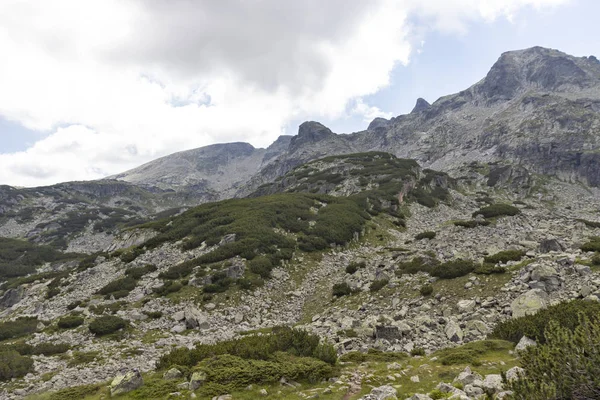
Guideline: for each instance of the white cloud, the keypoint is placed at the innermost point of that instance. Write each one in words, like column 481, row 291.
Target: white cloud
column 117, row 83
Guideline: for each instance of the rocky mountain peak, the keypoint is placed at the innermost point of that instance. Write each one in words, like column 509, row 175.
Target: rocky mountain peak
column 310, row 132
column 538, row 68
column 421, row 105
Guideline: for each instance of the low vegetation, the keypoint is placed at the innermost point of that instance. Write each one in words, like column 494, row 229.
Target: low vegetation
column 471, row 353
column 592, row 245
column 425, row 235
column 472, row 223
column 70, row 322
column 20, row 258
column 497, row 210
column 20, row 327
column 13, row 365
column 448, row 270
column 565, row 314
column 106, row 325
column 505, row 256
column 341, row 289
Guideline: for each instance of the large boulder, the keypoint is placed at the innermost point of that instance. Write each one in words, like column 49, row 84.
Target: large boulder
column 381, row 393
column 197, row 379
column 546, row 275
column 524, row 343
column 465, row 306
column 453, row 331
column 124, row 383
column 468, row 377
column 492, row 384
column 529, row 303
column 195, row 318
column 549, row 245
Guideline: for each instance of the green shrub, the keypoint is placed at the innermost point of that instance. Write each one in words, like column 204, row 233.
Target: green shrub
column 505, row 256
column 355, row 266
column 154, row 314
column 567, row 366
column 83, row 357
column 589, row 224
column 417, row 351
column 341, row 289
column 75, row 392
column 180, row 270
column 426, row 290
column 488, row 269
column 70, row 322
column 534, row 326
column 417, row 264
column 596, row 259
column 261, row 266
column 231, row 372
column 437, row 394
column 74, row 305
column 592, row 245
column 168, row 287
column 425, row 235
column 20, row 327
column 106, row 325
column 372, row 355
column 13, row 365
column 122, row 284
column 138, row 272
column 256, row 347
column 472, row 223
column 497, row 210
column 378, row 284
column 20, row 257
column 453, row 269
column 47, row 349
column 471, row 352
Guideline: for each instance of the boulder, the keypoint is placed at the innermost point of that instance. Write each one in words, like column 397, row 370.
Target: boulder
column 514, row 373
column 465, row 306
column 453, row 331
column 467, row 377
column 583, row 270
column 547, row 275
column 195, row 318
column 529, row 303
column 524, row 343
column 492, row 383
column 549, row 245
column 381, row 393
column 124, row 383
column 390, row 333
column 173, row 373
column 419, row 397
column 198, row 378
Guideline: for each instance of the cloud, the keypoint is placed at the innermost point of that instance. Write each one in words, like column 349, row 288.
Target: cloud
column 114, row 83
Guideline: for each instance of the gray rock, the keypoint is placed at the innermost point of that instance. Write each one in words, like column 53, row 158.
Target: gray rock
column 514, row 373
column 419, row 397
column 524, row 343
column 583, row 270
column 529, row 303
column 126, row 383
column 12, row 297
column 197, row 379
column 492, row 383
column 173, row 373
column 195, row 318
column 465, row 306
column 549, row 245
column 381, row 393
column 467, row 377
column 453, row 331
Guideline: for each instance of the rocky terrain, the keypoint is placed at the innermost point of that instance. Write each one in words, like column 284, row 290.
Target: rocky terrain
column 400, row 265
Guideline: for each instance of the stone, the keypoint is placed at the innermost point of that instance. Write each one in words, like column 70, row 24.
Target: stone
column 473, row 391
column 547, row 275
column 12, row 297
column 529, row 303
column 124, row 383
column 514, row 373
column 453, row 331
column 197, row 379
column 467, row 377
column 415, row 379
column 223, row 397
column 210, row 306
column 492, row 383
column 263, row 392
column 465, row 306
column 419, row 397
column 195, row 318
column 549, row 245
column 390, row 333
column 583, row 270
column 524, row 343
column 179, row 328
column 173, row 373
column 385, row 392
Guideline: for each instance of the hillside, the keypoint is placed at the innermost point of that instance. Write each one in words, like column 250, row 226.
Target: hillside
column 453, row 252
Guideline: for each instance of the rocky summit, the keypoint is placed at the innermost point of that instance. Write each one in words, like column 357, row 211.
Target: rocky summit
column 453, row 252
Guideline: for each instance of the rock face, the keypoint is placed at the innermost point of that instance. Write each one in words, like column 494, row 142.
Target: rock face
column 529, row 303
column 126, row 383
column 12, row 297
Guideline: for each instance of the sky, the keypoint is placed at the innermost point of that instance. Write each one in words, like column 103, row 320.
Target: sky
column 91, row 88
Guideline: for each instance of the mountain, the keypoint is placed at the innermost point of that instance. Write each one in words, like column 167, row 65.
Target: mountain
column 416, row 259
column 536, row 107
